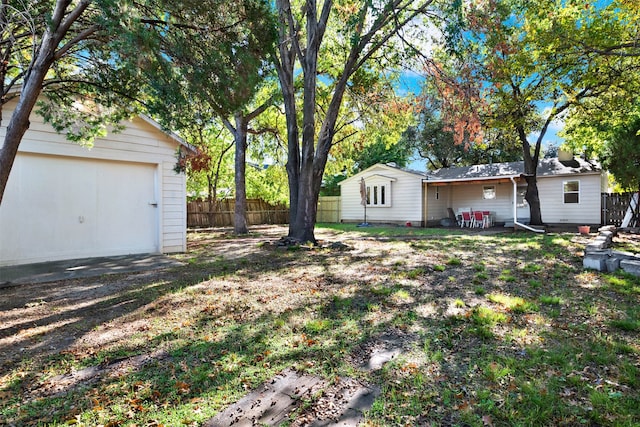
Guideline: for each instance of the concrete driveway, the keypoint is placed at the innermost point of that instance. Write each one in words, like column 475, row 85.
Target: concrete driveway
column 87, row 267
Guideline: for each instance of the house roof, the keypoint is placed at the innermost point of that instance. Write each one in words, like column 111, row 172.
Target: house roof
column 546, row 168
column 16, row 91
column 389, row 167
column 169, row 133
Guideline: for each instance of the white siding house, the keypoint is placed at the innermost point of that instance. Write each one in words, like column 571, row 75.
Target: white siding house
column 582, row 206
column 394, row 195
column 65, row 201
column 569, row 191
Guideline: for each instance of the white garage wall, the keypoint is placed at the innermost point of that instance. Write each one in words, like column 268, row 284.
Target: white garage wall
column 102, row 202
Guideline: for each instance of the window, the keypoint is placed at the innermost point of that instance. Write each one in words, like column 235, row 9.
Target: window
column 489, row 192
column 377, row 195
column 437, row 193
column 521, row 202
column 571, row 191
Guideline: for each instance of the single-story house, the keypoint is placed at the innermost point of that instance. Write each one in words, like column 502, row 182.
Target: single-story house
column 393, row 195
column 569, row 190
column 119, row 197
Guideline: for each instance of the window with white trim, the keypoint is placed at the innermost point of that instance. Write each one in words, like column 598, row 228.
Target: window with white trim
column 488, row 191
column 571, row 191
column 378, row 195
column 521, row 202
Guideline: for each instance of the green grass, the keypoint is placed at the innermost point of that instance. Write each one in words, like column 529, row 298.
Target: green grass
column 507, row 276
column 515, row 304
column 477, row 350
column 391, row 230
column 624, row 283
column 454, row 261
column 550, row 300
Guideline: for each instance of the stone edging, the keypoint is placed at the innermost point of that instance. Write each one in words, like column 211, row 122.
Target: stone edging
column 598, row 254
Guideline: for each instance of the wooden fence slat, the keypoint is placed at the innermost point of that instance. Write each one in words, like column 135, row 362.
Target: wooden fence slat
column 614, row 207
column 329, row 209
column 258, row 212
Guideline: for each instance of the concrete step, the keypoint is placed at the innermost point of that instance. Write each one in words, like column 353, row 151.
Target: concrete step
column 341, row 404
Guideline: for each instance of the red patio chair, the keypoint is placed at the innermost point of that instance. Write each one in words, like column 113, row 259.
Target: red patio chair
column 467, row 219
column 478, row 219
column 487, row 218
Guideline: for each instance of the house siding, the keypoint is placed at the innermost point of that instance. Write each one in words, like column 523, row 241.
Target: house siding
column 555, row 211
column 140, row 149
column 406, row 203
column 550, row 189
column 174, row 211
column 436, row 208
column 470, row 196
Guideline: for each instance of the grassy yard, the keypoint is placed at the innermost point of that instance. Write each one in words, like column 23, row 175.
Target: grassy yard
column 501, row 330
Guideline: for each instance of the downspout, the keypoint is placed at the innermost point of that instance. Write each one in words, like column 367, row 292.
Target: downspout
column 515, row 207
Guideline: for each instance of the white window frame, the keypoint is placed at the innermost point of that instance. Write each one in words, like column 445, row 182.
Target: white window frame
column 379, row 195
column 565, row 192
column 484, row 192
column 521, row 202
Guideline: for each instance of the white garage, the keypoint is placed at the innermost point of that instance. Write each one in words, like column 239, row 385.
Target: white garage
column 64, row 201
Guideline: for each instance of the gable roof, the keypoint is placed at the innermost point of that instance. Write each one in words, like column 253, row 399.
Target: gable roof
column 175, row 137
column 385, row 167
column 546, row 168
column 16, row 91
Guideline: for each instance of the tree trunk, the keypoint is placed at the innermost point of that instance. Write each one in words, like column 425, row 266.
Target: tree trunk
column 530, row 175
column 307, row 161
column 532, row 197
column 19, row 121
column 240, row 211
column 285, row 65
column 210, row 191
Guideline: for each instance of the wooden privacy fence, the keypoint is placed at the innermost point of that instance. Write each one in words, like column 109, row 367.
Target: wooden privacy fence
column 614, row 207
column 329, row 209
column 258, row 212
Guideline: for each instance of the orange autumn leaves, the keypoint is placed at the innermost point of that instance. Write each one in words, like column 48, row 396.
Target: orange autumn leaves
column 461, row 105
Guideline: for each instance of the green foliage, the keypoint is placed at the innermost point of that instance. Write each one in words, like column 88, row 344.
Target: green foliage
column 382, row 152
column 268, row 183
column 433, row 138
column 621, row 156
column 213, row 54
column 330, row 185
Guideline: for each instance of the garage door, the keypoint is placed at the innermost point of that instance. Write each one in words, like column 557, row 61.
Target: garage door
column 63, row 207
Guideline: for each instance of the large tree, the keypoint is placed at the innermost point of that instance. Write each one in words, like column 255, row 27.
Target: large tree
column 213, row 57
column 34, row 37
column 609, row 129
column 434, row 140
column 359, row 32
column 529, row 64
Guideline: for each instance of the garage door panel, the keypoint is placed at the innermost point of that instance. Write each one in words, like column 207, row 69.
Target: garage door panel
column 62, row 207
column 131, row 223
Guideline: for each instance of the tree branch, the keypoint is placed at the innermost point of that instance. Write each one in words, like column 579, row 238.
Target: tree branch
column 83, row 35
